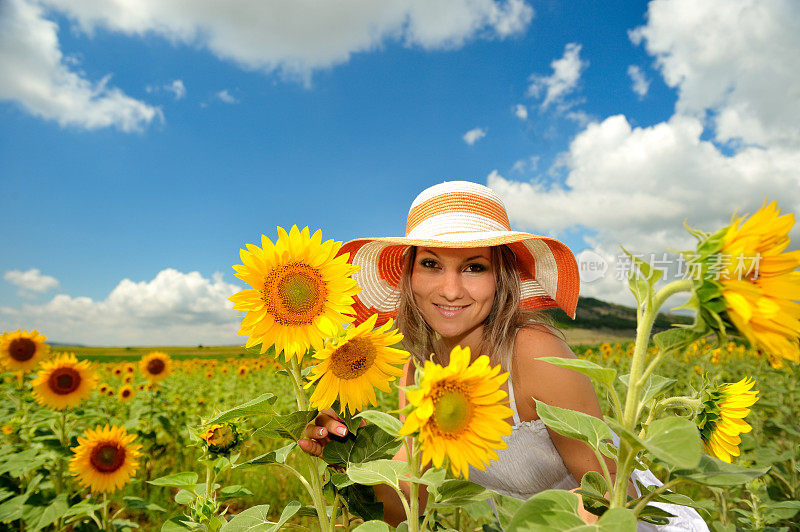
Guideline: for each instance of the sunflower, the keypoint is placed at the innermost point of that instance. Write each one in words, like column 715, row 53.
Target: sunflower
column 460, row 412
column 751, row 283
column 105, row 459
column 22, row 350
column 103, row 388
column 301, row 292
column 220, row 438
column 125, row 393
column 721, row 418
column 63, row 382
column 130, row 369
column 156, row 366
column 352, row 367
column 242, row 371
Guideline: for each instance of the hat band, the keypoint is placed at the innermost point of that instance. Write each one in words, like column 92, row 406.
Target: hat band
column 454, row 223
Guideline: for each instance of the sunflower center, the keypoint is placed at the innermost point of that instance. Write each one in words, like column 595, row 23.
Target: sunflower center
column 64, row 381
column 22, row 349
column 107, row 457
column 126, row 393
column 353, row 359
column 294, row 293
column 155, row 366
column 452, row 409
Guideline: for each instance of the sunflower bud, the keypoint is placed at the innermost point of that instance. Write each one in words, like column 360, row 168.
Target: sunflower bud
column 220, row 438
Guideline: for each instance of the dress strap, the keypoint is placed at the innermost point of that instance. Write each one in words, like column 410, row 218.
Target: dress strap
column 511, row 402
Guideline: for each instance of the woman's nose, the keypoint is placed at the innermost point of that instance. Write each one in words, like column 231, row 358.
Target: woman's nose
column 452, row 287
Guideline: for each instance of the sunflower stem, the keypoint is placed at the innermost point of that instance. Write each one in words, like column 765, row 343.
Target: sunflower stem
column 413, row 462
column 658, row 491
column 313, row 471
column 646, row 315
column 105, row 513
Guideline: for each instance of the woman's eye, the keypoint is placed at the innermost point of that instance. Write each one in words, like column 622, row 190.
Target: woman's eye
column 476, row 268
column 428, row 263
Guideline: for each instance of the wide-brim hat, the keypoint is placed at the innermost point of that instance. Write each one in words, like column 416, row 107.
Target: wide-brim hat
column 461, row 214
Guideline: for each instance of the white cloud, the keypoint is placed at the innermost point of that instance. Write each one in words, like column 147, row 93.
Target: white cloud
column 521, row 112
column 564, row 79
column 529, row 164
column 226, row 97
column 31, row 280
column 738, row 59
column 297, row 37
column 35, row 74
column 177, row 88
column 640, row 82
column 636, row 186
column 174, row 308
column 474, row 135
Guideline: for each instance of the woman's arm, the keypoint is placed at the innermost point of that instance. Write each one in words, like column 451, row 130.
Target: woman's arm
column 556, row 386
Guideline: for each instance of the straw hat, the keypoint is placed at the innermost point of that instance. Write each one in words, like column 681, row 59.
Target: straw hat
column 460, row 214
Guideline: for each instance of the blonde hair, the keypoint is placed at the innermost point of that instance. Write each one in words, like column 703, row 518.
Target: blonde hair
column 500, row 326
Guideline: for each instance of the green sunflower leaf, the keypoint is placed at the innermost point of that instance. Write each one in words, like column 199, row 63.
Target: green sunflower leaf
column 291, row 426
column 187, row 479
column 714, row 472
column 260, row 405
column 556, row 510
column 574, row 424
column 604, row 376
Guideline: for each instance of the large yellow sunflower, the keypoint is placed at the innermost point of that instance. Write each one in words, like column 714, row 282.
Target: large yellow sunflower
column 352, row 367
column 750, row 282
column 721, row 418
column 155, row 366
column 301, row 292
column 763, row 304
column 105, row 458
column 460, row 412
column 22, row 350
column 64, row 382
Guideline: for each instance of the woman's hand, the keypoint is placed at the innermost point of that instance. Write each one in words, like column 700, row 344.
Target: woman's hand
column 318, row 433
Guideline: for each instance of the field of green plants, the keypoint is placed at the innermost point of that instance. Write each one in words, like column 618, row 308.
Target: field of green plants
column 37, row 491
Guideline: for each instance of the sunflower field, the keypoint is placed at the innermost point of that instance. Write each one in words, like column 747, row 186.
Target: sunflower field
column 42, row 490
column 159, row 441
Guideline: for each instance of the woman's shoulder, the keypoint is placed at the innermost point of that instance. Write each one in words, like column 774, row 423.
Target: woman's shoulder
column 546, row 382
column 536, row 339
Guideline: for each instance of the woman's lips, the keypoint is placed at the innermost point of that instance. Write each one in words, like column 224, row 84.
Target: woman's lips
column 450, row 311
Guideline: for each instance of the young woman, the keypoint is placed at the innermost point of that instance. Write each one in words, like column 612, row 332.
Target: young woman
column 461, row 276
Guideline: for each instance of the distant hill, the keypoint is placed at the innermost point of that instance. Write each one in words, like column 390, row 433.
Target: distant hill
column 596, row 314
column 608, row 320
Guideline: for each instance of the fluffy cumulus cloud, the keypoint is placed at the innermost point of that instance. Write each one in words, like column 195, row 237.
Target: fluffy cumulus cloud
column 173, row 308
column 291, row 37
column 474, row 135
column 35, row 74
column 564, row 79
column 31, row 280
column 733, row 141
column 736, row 60
column 521, row 112
column 297, row 37
column 640, row 82
column 642, row 183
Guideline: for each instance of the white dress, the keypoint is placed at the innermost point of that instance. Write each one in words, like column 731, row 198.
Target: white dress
column 531, row 464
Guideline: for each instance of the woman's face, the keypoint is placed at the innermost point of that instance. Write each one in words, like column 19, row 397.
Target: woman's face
column 454, row 290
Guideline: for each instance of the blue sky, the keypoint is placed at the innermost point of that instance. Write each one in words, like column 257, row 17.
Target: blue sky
column 146, row 145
